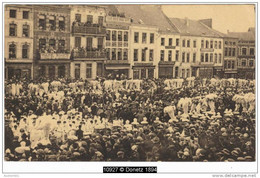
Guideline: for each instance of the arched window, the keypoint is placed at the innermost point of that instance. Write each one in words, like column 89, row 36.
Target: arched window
column 25, row 51
column 26, row 30
column 52, row 22
column 12, row 29
column 12, row 51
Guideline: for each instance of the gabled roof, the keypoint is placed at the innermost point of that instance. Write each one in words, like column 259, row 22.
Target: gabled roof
column 194, row 28
column 150, row 15
column 244, row 36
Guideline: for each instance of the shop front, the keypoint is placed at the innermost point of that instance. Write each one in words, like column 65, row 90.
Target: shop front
column 18, row 71
column 143, row 70
column 166, row 69
column 52, row 70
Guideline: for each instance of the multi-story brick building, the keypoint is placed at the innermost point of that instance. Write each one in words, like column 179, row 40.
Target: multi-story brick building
column 201, row 49
column 18, row 50
column 87, row 41
column 230, row 56
column 117, row 42
column 52, row 41
column 246, row 53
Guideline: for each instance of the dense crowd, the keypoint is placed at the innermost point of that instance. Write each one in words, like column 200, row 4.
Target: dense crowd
column 130, row 120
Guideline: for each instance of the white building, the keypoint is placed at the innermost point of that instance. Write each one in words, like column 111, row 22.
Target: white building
column 18, row 50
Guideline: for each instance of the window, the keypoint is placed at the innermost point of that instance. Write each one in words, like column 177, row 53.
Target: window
column 25, row 14
column 77, row 71
column 61, row 23
column 100, row 20
column 229, row 65
column 143, row 37
column 125, row 36
column 202, row 57
column 233, row 65
column 89, row 19
column 108, row 53
column 252, row 51
column 114, row 54
column 229, row 51
column 89, row 43
column 194, row 44
column 176, row 72
column 125, row 54
column 177, row 41
column 119, row 54
column 113, row 35
column 152, row 38
column 61, row 46
column 78, row 17
column 233, row 51
column 220, row 59
column 42, row 22
column 226, row 51
column 216, row 58
column 207, row 44
column 100, row 43
column 216, row 45
column 183, row 43
column 150, row 73
column 136, row 37
column 108, row 33
column 77, row 42
column 170, row 41
column 188, row 57
column 12, row 29
column 143, row 54
column 234, row 43
column 12, row 51
column 219, row 44
column 135, row 54
column 194, row 58
column 12, row 13
column 169, row 55
column 88, row 70
column 244, row 63
column 177, row 55
column 165, row 72
column 206, row 57
column 188, row 43
column 52, row 43
column 225, row 64
column 42, row 43
column 162, row 41
column 244, row 51
column 25, row 30
column 52, row 22
column 202, row 43
column 25, row 51
column 211, row 57
column 120, row 37
column 211, row 44
column 151, row 55
column 251, row 63
column 188, row 73
column 183, row 57
column 162, row 55
column 183, row 73
column 136, row 74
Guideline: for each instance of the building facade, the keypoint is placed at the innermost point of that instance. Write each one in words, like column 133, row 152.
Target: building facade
column 18, row 51
column 51, row 41
column 117, row 45
column 87, row 39
column 230, row 57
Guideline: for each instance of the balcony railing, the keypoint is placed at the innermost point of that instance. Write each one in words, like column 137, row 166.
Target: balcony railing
column 89, row 54
column 125, row 44
column 108, row 43
column 117, row 19
column 119, row 44
column 206, row 50
column 88, row 30
column 54, row 55
column 117, row 61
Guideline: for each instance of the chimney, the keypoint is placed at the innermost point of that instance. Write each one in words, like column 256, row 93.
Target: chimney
column 186, row 21
column 207, row 22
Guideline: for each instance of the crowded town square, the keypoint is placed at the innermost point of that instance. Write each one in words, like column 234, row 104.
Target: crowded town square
column 130, row 120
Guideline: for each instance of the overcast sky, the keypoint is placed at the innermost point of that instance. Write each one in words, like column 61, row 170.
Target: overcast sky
column 235, row 18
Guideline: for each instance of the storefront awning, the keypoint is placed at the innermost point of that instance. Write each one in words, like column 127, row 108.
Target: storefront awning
column 117, row 67
column 143, row 67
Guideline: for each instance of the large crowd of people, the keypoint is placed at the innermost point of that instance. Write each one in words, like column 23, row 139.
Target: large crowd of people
column 130, row 120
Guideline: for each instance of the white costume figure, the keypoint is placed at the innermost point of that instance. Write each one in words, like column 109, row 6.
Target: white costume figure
column 170, row 111
column 204, row 81
column 211, row 103
column 19, row 87
column 35, row 135
column 13, row 88
column 44, row 123
column 45, row 87
column 190, row 81
column 179, row 83
column 137, row 84
column 108, row 85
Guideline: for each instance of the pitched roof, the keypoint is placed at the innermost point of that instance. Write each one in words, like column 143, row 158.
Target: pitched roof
column 151, row 15
column 194, row 27
column 244, row 36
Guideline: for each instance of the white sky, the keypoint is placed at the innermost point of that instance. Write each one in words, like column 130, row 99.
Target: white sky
column 235, row 18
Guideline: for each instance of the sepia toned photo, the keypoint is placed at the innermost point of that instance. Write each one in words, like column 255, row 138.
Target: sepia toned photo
column 129, row 82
